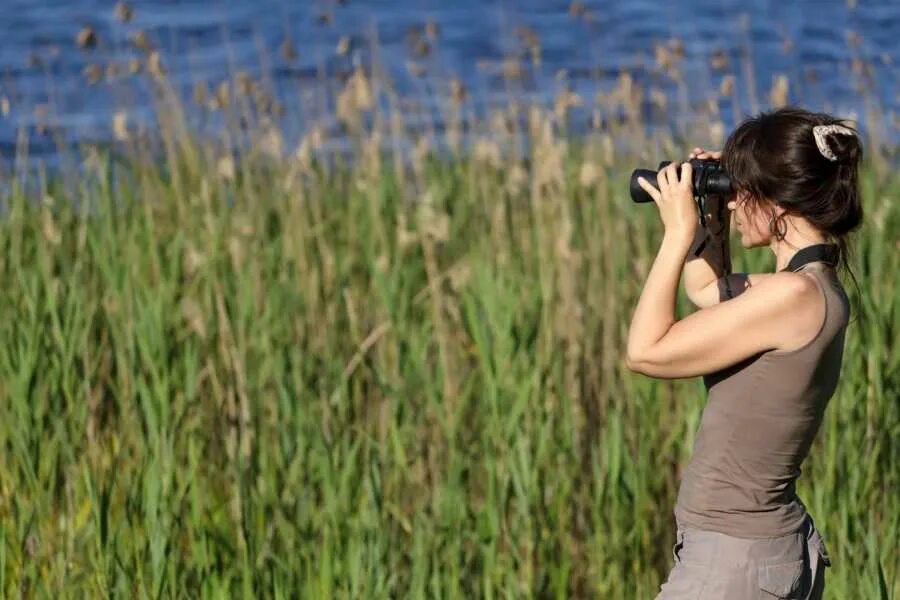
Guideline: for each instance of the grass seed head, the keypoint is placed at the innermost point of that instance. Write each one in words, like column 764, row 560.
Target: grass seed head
column 432, row 29
column 778, row 95
column 120, row 126
column 588, row 174
column 225, row 168
column 343, row 46
column 155, row 65
column 123, row 12
column 726, row 87
column 86, row 37
column 140, row 40
column 487, row 152
column 416, row 69
column 566, row 101
column 193, row 316
column 93, row 74
column 458, row 91
column 49, row 229
column 719, row 60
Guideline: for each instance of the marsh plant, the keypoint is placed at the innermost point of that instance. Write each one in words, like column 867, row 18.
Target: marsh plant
column 235, row 367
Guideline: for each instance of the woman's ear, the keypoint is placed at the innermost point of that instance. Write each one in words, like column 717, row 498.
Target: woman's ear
column 771, row 209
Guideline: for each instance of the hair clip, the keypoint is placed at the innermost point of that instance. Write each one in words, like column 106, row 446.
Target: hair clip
column 820, row 131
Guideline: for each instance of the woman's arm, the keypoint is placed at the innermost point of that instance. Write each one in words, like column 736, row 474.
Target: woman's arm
column 782, row 313
column 779, row 312
column 708, row 279
column 714, row 261
column 655, row 311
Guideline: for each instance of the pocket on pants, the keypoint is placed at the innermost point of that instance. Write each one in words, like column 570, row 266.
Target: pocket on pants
column 783, row 580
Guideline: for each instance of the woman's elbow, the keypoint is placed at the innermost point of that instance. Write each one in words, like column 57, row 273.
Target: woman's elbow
column 634, row 364
column 644, row 363
column 656, row 370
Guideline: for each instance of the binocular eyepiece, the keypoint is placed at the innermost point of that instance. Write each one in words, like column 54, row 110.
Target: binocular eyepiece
column 709, row 178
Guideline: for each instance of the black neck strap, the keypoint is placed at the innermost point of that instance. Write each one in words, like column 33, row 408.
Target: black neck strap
column 828, row 253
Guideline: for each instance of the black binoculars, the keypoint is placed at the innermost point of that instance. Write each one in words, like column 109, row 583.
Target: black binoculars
column 709, row 178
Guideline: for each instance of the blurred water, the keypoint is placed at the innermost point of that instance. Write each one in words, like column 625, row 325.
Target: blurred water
column 42, row 81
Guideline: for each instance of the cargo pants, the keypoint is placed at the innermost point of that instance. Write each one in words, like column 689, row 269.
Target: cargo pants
column 711, row 565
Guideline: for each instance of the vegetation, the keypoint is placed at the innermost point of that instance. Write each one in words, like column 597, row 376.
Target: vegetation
column 229, row 370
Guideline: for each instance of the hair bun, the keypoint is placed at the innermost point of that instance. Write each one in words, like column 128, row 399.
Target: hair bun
column 838, row 143
column 845, row 147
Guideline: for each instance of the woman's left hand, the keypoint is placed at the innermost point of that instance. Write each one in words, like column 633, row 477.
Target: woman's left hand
column 675, row 200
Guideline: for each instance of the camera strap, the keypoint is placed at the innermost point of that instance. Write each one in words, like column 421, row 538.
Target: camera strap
column 702, row 206
column 827, row 253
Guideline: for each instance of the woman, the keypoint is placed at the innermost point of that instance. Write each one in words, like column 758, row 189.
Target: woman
column 769, row 346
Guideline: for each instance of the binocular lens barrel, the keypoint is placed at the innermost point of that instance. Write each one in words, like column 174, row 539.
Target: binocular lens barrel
column 709, row 178
column 637, row 192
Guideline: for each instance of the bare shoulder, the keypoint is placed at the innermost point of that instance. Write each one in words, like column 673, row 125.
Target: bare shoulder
column 783, row 284
column 795, row 303
column 775, row 286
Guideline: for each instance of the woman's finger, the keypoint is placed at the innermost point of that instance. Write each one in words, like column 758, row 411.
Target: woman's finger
column 686, row 174
column 648, row 187
column 661, row 180
column 672, row 174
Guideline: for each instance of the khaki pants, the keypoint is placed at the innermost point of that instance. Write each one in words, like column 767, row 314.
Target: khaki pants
column 711, row 565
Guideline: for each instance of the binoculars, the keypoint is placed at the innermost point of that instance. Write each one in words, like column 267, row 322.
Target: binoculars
column 709, row 178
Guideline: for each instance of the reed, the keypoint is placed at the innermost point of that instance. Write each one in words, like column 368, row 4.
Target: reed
column 232, row 369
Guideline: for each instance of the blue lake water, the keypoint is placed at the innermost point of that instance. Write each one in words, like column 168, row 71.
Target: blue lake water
column 43, row 86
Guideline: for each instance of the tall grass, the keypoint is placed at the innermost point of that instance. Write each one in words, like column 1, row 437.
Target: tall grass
column 232, row 371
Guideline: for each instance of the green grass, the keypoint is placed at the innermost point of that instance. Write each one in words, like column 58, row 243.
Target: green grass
column 378, row 381
column 229, row 370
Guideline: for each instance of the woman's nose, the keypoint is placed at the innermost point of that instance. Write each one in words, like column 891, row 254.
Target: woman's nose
column 731, row 205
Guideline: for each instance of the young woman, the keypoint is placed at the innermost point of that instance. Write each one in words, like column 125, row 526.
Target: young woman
column 769, row 346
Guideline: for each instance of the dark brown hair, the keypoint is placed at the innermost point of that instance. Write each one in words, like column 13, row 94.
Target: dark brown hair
column 773, row 157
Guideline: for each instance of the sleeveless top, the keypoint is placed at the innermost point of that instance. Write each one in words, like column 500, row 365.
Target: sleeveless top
column 759, row 421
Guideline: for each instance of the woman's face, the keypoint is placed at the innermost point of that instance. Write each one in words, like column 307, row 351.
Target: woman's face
column 752, row 223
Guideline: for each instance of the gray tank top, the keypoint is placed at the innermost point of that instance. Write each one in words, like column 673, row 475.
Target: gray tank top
column 759, row 421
